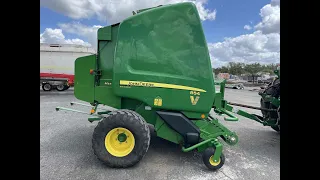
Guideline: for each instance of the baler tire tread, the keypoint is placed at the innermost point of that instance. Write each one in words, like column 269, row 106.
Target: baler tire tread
column 131, row 121
column 274, row 93
column 276, row 128
column 206, row 156
column 132, row 111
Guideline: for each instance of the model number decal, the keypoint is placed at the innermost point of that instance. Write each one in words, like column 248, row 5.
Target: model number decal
column 195, row 93
column 194, row 97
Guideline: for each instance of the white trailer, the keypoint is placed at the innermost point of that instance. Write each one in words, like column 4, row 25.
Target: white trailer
column 57, row 64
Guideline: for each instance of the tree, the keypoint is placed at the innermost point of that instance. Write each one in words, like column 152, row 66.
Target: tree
column 236, row 68
column 269, row 68
column 222, row 69
column 253, row 69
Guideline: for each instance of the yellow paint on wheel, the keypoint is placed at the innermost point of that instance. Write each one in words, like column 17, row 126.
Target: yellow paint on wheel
column 119, row 142
column 214, row 163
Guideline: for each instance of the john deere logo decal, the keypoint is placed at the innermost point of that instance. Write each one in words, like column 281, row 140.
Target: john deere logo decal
column 157, row 101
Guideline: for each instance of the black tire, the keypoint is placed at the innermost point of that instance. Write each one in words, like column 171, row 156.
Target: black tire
column 46, row 87
column 133, row 122
column 131, row 111
column 276, row 128
column 273, row 115
column 66, row 87
column 128, row 110
column 272, row 89
column 59, row 88
column 206, row 159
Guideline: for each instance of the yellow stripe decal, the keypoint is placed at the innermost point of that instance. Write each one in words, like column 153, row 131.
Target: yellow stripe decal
column 158, row 85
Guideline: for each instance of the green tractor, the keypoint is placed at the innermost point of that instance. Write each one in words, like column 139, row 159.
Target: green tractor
column 154, row 69
column 270, row 102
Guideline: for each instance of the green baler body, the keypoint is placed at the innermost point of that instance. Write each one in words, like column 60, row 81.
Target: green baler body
column 157, row 58
column 157, row 64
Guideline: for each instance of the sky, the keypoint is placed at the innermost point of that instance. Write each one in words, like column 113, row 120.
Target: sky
column 245, row 31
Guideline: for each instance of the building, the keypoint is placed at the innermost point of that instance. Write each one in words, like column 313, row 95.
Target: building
column 224, row 76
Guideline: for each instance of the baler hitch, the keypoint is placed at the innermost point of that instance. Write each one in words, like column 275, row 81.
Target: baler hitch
column 98, row 115
column 251, row 107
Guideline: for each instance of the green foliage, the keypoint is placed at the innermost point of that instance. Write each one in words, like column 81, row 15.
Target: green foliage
column 236, row 68
column 253, row 69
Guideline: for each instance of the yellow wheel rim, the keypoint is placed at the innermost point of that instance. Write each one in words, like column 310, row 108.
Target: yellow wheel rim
column 119, row 142
column 214, row 163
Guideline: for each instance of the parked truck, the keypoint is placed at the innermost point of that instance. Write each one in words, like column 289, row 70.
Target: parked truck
column 57, row 64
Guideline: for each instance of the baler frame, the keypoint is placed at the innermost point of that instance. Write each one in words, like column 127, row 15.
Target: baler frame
column 207, row 134
column 138, row 89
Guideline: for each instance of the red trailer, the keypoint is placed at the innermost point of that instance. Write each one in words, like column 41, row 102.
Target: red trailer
column 57, row 64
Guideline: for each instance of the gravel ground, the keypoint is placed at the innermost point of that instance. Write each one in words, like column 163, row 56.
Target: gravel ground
column 66, row 153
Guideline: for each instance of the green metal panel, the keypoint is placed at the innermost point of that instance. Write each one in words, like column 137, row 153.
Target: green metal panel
column 194, row 115
column 83, row 80
column 104, row 33
column 131, row 104
column 218, row 99
column 105, row 95
column 106, row 53
column 162, row 59
column 146, row 112
column 149, row 115
column 103, row 90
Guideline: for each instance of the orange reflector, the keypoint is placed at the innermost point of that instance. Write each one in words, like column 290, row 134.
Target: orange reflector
column 91, row 71
column 203, row 116
column 92, row 111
